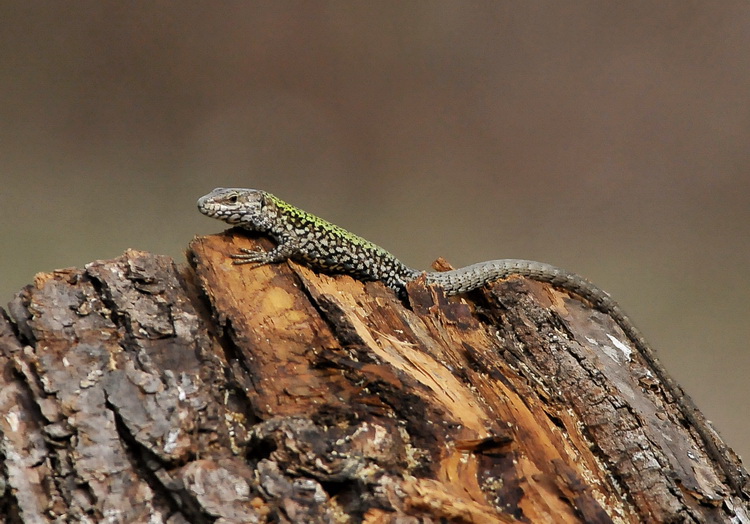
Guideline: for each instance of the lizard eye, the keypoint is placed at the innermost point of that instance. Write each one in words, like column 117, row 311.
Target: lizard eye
column 232, row 199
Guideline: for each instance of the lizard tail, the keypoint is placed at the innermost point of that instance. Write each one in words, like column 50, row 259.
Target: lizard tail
column 475, row 276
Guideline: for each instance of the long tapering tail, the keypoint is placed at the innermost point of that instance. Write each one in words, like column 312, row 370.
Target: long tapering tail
column 477, row 275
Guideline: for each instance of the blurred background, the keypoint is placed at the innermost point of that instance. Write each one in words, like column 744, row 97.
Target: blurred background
column 609, row 138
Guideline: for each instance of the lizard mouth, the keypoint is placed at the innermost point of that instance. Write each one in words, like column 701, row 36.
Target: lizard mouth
column 213, row 210
column 227, row 216
column 209, row 211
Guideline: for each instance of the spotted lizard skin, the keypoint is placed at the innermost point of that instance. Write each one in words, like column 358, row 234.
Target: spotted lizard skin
column 313, row 241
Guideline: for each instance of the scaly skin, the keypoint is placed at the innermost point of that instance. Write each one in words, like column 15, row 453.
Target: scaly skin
column 319, row 244
column 303, row 237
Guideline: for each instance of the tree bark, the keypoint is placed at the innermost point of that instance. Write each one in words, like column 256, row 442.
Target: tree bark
column 136, row 391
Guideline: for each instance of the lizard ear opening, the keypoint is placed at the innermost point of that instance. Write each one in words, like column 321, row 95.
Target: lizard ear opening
column 262, row 199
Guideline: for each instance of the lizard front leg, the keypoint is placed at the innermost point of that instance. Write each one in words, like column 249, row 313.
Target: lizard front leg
column 281, row 252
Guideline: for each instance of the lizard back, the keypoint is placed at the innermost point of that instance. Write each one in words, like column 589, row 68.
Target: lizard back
column 326, row 246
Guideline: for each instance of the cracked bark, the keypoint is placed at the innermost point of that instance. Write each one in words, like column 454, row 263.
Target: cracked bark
column 136, row 391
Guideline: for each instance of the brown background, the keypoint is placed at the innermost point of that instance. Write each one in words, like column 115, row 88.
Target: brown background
column 608, row 138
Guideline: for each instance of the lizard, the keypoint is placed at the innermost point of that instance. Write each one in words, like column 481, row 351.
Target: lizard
column 319, row 244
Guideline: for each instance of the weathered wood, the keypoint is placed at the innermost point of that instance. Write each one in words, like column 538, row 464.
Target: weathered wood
column 133, row 391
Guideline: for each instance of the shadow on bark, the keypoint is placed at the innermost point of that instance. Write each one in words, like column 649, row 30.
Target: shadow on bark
column 136, row 391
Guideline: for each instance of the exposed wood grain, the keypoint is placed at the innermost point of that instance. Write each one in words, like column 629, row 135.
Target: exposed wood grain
column 133, row 391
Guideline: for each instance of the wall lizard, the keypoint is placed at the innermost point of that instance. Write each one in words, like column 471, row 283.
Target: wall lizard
column 315, row 242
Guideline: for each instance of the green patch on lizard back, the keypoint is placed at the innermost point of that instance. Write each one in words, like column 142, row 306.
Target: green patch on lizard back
column 330, row 231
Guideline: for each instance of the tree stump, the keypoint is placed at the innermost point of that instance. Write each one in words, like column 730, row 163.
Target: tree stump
column 136, row 391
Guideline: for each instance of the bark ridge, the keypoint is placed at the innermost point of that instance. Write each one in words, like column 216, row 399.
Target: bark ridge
column 134, row 390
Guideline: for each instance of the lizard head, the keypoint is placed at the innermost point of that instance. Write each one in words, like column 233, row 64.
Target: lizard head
column 234, row 206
